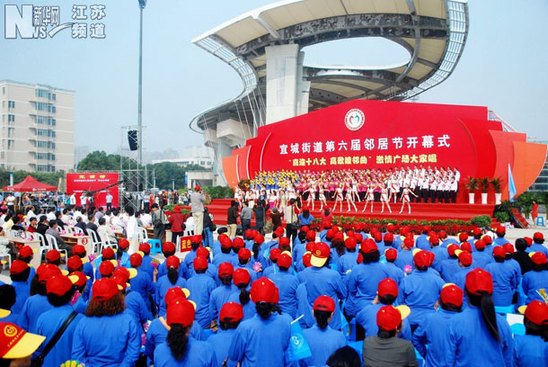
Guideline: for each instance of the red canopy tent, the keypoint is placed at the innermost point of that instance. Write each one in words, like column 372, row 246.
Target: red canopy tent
column 30, row 184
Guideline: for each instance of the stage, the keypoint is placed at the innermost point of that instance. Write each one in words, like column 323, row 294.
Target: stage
column 419, row 211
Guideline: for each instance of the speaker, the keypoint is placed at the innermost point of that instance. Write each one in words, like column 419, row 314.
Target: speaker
column 132, row 139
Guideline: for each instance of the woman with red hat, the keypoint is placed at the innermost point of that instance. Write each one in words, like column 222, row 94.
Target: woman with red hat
column 262, row 340
column 230, row 317
column 142, row 283
column 170, row 280
column 530, row 349
column 537, row 278
column 107, row 336
column 321, row 338
column 242, row 279
column 287, row 284
column 200, row 286
column 478, row 336
column 506, row 277
column 19, row 275
column 168, row 249
column 221, row 294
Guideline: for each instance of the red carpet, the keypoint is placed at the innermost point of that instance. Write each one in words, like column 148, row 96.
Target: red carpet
column 419, row 211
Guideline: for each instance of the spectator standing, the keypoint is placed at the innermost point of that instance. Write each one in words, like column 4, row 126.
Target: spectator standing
column 197, row 200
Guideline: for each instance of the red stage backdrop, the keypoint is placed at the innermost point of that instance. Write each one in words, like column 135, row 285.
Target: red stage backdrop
column 79, row 182
column 376, row 134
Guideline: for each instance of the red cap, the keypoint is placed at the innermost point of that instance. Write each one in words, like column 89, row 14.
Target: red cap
column 197, row 188
column 488, row 239
column 350, row 243
column 508, row 247
column 106, row 268
column 82, row 278
column 180, row 312
column 46, row 271
column 529, row 241
column 25, row 251
column 389, row 318
column 368, row 246
column 200, row 263
column 434, row 239
column 324, row 303
column 408, row 242
column 274, row 254
column 311, row 235
column 248, row 234
column 196, row 239
column 284, row 260
column 104, row 289
column 479, row 244
column 168, row 247
column 78, row 250
column 307, row 257
column 320, row 254
column 225, row 270
column 391, row 254
column 452, row 248
column 538, row 236
column 390, row 227
column 259, row 238
column 466, row 246
column 358, row 237
column 305, row 229
column 338, row 237
column 107, row 253
column 202, row 252
column 284, row 241
column 244, row 254
column 231, row 312
column 225, row 242
column 501, row 230
column 59, row 285
column 238, row 243
column 173, row 262
column 53, row 255
column 123, row 243
column 241, row 277
column 442, row 234
column 422, row 259
column 387, row 286
column 463, row 236
column 73, row 263
column 378, row 236
column 537, row 312
column 388, row 237
column 465, row 258
column 18, row 266
column 479, row 280
column 174, row 294
column 264, row 290
column 451, row 295
column 144, row 247
column 499, row 251
column 538, row 258
column 476, row 231
column 136, row 259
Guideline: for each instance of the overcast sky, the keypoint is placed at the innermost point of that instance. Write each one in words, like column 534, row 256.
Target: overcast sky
column 504, row 66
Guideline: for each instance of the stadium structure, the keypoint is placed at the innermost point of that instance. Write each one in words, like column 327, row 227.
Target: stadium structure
column 265, row 47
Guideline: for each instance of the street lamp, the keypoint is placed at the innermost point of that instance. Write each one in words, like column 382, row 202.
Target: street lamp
column 142, row 4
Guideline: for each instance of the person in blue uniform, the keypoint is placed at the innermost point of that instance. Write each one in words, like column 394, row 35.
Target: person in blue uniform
column 387, row 294
column 405, row 256
column 107, row 336
column 26, row 254
column 397, row 274
column 242, row 279
column 321, row 338
column 19, row 273
column 506, row 278
column 431, row 338
column 226, row 254
column 319, row 280
column 421, row 289
column 287, row 284
column 181, row 349
column 135, row 305
column 146, row 264
column 201, row 286
column 481, row 257
column 439, row 252
column 80, row 251
column 537, row 278
column 244, row 261
column 258, row 260
column 60, row 291
column 422, row 241
column 211, row 270
column 170, row 280
column 465, row 261
column 83, row 291
column 530, row 349
column 538, row 244
column 168, row 249
column 230, row 317
column 142, row 284
column 478, row 336
column 195, row 243
column 220, row 295
column 349, row 259
column 500, row 232
column 451, row 265
column 122, row 253
column 272, row 262
column 262, row 340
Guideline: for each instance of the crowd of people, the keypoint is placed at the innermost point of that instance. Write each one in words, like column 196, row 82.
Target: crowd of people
column 241, row 301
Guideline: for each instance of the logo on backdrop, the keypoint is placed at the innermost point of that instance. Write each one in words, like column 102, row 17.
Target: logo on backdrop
column 354, row 119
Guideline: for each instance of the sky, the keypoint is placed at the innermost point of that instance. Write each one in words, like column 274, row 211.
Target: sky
column 503, row 66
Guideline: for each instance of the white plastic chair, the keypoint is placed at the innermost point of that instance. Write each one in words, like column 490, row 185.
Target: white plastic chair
column 77, row 230
column 53, row 245
column 142, row 235
column 44, row 246
column 95, row 242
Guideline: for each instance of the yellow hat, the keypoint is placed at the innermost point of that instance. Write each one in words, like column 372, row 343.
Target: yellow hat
column 17, row 343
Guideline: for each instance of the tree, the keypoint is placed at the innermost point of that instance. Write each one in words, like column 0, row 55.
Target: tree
column 100, row 161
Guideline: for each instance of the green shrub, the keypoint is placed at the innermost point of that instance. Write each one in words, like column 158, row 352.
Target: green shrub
column 482, row 221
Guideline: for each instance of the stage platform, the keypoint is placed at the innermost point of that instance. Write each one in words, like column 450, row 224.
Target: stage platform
column 419, row 211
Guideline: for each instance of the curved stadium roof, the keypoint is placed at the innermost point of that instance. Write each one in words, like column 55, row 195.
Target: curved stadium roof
column 433, row 31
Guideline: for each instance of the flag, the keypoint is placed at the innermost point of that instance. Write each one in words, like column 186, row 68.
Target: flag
column 298, row 346
column 511, row 185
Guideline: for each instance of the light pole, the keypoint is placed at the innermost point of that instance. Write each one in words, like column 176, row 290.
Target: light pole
column 142, row 4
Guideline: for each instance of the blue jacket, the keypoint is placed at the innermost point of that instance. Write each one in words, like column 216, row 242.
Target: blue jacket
column 47, row 325
column 322, row 344
column 499, row 241
column 422, row 242
column 88, row 269
column 440, row 255
column 537, row 247
column 136, row 307
column 431, row 338
column 142, row 284
column 363, row 282
column 183, row 270
column 220, row 343
column 221, row 257
column 395, row 272
column 198, row 354
column 367, row 318
column 157, row 334
column 259, row 342
column 347, row 262
column 287, row 284
column 420, row 290
column 22, row 292
column 107, row 341
column 298, row 251
column 533, row 281
column 249, row 308
column 471, row 344
column 200, row 287
column 146, row 266
column 189, row 259
column 162, row 286
column 506, row 279
column 324, row 281
column 448, row 267
column 482, row 259
column 529, row 351
column 404, row 258
column 219, row 296
column 32, row 309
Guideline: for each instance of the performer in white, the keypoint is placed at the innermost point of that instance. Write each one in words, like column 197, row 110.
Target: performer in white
column 405, row 199
column 321, row 196
column 311, row 195
column 369, row 198
column 339, row 196
column 350, row 197
column 384, row 199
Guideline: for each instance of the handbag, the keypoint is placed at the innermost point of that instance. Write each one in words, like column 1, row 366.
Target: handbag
column 39, row 361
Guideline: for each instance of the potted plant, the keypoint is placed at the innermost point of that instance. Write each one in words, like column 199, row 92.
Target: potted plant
column 484, row 185
column 471, row 186
column 495, row 182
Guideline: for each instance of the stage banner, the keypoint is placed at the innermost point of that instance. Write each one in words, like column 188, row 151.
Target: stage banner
column 100, row 184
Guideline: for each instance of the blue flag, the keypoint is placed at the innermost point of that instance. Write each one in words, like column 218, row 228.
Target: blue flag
column 511, row 185
column 298, row 348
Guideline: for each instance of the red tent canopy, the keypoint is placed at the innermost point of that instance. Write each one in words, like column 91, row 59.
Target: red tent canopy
column 30, row 184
